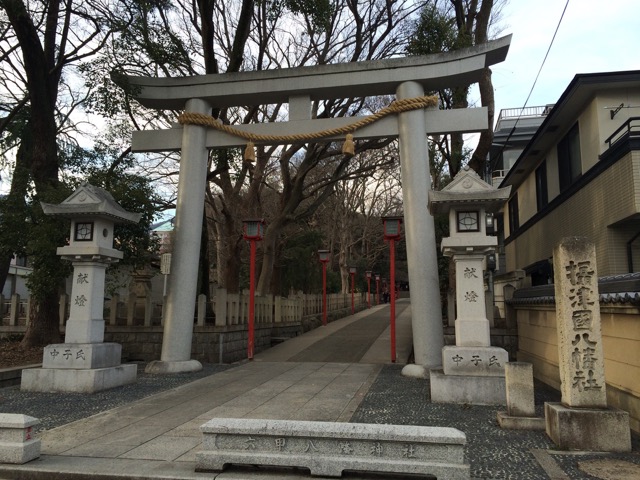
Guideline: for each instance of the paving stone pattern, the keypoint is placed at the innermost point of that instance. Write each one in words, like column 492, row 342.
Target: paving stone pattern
column 350, row 343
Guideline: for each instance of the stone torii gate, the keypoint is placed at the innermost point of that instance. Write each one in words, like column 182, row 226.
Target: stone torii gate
column 406, row 77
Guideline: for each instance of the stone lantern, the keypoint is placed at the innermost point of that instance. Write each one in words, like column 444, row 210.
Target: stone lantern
column 84, row 363
column 473, row 370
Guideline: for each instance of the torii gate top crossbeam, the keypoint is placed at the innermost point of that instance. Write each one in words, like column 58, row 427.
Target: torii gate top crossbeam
column 355, row 79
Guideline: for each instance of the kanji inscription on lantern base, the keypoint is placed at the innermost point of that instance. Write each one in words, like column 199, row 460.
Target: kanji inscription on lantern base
column 81, row 356
column 328, row 448
column 582, row 421
column 473, row 361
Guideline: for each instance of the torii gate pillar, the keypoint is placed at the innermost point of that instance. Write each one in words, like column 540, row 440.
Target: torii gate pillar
column 426, row 316
column 179, row 305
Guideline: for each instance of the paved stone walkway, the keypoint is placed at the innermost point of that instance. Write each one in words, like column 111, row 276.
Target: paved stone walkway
column 123, row 434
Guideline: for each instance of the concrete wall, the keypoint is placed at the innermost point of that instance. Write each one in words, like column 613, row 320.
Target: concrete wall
column 538, row 344
column 210, row 344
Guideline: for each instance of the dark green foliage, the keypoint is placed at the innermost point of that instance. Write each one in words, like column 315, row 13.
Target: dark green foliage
column 435, row 32
column 110, row 94
column 45, row 234
column 299, row 264
column 441, row 223
column 319, row 11
column 13, row 222
column 135, row 194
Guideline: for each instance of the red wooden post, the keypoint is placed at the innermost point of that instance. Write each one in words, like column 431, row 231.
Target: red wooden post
column 392, row 226
column 323, row 255
column 352, row 272
column 252, row 291
column 253, row 232
column 392, row 255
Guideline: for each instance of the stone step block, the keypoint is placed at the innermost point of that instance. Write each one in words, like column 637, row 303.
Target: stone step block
column 329, row 448
column 80, row 381
column 18, row 444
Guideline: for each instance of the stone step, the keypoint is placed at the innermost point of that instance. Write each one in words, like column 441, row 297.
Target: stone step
column 329, row 448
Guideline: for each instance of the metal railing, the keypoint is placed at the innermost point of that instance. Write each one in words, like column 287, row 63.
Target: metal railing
column 539, row 111
column 629, row 129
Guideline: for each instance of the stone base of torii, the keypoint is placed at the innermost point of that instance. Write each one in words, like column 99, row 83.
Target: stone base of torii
column 408, row 77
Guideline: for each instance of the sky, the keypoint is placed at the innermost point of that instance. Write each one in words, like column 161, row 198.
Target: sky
column 594, row 36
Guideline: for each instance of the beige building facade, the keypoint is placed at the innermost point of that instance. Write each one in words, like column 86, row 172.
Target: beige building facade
column 579, row 175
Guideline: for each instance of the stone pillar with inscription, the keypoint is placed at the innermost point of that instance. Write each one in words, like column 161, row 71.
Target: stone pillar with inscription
column 84, row 363
column 582, row 421
column 472, row 370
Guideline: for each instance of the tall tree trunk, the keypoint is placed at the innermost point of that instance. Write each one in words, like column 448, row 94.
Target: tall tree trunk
column 42, row 80
column 459, row 100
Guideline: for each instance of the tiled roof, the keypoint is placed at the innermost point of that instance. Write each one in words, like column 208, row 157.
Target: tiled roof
column 613, row 289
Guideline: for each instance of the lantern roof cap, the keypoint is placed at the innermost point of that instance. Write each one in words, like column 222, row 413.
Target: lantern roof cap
column 468, row 188
column 91, row 201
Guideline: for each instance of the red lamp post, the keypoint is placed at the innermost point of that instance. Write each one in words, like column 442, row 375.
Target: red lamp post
column 253, row 231
column 377, row 289
column 323, row 256
column 368, row 274
column 352, row 272
column 392, row 228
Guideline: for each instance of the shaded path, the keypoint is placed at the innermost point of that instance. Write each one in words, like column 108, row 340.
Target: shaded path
column 349, row 344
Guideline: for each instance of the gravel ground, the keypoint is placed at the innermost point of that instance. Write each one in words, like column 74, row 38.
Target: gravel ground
column 493, row 453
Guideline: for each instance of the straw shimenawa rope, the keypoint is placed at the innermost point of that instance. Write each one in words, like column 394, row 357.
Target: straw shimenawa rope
column 395, row 107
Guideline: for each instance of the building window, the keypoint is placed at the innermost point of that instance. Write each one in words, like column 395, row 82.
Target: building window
column 542, row 196
column 514, row 216
column 569, row 162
